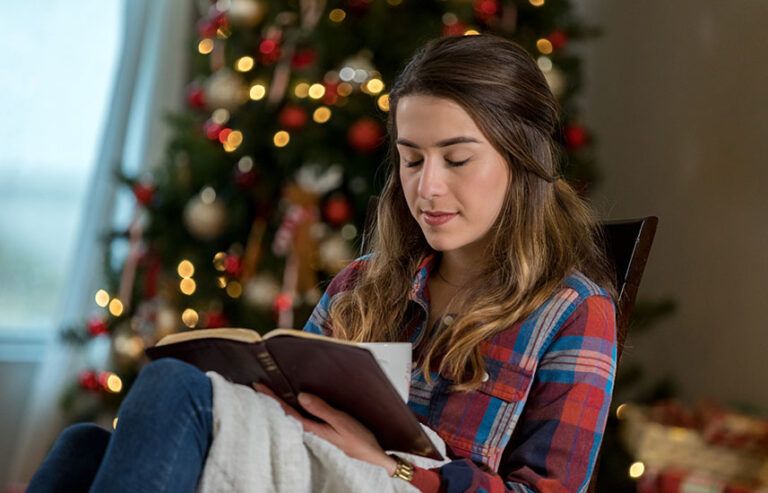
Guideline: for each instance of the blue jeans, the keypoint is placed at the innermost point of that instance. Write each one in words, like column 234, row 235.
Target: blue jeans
column 162, row 438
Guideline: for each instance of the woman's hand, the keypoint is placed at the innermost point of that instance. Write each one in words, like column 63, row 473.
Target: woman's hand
column 339, row 428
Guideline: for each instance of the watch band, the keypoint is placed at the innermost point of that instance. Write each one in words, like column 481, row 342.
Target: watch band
column 403, row 470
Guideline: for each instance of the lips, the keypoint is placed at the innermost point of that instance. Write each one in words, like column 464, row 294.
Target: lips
column 437, row 218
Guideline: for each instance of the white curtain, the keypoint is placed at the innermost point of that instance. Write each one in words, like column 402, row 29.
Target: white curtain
column 149, row 83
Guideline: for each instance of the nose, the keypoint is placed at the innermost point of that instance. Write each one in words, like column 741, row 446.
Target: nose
column 431, row 181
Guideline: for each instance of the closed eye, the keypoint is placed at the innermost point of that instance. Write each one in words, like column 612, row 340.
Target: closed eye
column 456, row 164
column 411, row 164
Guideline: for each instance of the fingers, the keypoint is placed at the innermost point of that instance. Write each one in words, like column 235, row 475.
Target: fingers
column 321, row 409
column 290, row 411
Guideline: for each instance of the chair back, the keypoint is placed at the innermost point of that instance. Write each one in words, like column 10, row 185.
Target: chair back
column 627, row 244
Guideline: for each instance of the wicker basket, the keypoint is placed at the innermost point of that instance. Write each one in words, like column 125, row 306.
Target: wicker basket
column 660, row 446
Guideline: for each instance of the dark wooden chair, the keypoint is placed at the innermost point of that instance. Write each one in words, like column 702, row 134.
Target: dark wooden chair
column 627, row 244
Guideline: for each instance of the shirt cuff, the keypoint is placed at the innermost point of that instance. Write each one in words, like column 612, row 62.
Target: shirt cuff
column 426, row 480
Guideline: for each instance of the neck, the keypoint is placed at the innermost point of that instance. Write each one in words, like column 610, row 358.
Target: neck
column 457, row 268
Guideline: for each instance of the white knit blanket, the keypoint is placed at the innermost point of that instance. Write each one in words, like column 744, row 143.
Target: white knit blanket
column 258, row 448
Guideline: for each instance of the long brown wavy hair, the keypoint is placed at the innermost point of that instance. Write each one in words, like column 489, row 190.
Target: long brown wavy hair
column 543, row 232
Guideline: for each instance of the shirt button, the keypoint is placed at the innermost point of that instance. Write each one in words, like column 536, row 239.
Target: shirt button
column 486, row 377
column 448, row 320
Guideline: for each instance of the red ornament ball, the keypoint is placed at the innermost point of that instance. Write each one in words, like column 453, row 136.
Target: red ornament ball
column 97, row 327
column 195, row 96
column 337, row 211
column 293, row 117
column 144, row 193
column 303, row 58
column 207, row 27
column 558, row 39
column 283, row 302
column 88, row 380
column 486, row 9
column 212, row 129
column 215, row 320
column 358, row 7
column 269, row 50
column 365, row 135
column 233, row 265
column 575, row 137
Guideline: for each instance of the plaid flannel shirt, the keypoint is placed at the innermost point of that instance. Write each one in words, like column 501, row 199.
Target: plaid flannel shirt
column 537, row 421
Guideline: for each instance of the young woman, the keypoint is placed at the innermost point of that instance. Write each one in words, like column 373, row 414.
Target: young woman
column 482, row 257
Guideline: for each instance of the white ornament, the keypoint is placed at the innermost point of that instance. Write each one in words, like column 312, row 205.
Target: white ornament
column 335, row 253
column 225, row 89
column 261, row 291
column 205, row 219
column 247, row 13
column 556, row 81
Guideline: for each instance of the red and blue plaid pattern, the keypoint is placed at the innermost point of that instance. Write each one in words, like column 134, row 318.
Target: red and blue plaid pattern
column 537, row 422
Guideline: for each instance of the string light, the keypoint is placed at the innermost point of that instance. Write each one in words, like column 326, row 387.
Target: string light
column 449, row 19
column 620, row 411
column 375, row 86
column 187, row 286
column 636, row 470
column 102, row 298
column 383, row 102
column 471, row 32
column 234, row 289
column 544, row 46
column 233, row 141
column 114, row 384
column 185, row 269
column 301, row 90
column 205, row 46
column 190, row 318
column 208, row 195
column 219, row 261
column 244, row 64
column 316, row 91
column 281, row 138
column 257, row 92
column 544, row 63
column 221, row 281
column 344, row 89
column 116, row 307
column 347, row 73
column 220, row 116
column 349, row 232
column 245, row 164
column 337, row 15
column 321, row 114
column 536, row 3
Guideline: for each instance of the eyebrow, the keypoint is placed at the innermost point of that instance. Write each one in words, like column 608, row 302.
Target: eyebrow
column 442, row 143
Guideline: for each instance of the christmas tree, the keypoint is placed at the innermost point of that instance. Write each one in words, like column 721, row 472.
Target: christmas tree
column 263, row 192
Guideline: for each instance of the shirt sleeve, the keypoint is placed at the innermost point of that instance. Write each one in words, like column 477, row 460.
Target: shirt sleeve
column 555, row 443
column 318, row 322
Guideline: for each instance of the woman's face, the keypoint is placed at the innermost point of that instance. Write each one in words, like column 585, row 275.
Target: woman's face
column 453, row 179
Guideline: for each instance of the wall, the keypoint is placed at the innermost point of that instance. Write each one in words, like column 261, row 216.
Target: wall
column 677, row 93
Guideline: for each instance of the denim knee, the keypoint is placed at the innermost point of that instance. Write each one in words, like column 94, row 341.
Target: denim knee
column 84, row 436
column 172, row 374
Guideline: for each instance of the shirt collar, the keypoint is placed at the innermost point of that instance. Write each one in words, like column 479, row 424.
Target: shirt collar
column 421, row 276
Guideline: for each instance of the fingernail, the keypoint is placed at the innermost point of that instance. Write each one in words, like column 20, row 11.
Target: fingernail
column 304, row 399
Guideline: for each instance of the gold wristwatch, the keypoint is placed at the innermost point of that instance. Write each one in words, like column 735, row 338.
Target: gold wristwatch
column 403, row 470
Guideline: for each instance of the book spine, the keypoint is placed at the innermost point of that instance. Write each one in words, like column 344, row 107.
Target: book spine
column 277, row 381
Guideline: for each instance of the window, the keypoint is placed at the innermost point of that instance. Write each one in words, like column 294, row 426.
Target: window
column 59, row 62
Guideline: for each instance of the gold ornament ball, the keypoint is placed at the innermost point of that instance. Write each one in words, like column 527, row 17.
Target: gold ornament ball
column 205, row 220
column 247, row 13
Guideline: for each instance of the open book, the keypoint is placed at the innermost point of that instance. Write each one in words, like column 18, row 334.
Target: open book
column 290, row 361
